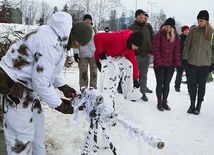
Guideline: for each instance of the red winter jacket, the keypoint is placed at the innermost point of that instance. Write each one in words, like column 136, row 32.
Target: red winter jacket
column 114, row 44
column 166, row 53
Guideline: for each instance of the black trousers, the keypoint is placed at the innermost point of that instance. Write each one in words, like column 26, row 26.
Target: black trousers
column 179, row 75
column 163, row 78
column 198, row 78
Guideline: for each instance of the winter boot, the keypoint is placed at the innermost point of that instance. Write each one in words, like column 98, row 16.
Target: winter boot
column 191, row 108
column 197, row 109
column 160, row 105
column 144, row 98
column 165, row 106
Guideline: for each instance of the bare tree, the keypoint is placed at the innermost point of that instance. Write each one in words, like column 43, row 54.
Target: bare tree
column 99, row 9
column 76, row 11
column 45, row 13
column 105, row 6
column 29, row 10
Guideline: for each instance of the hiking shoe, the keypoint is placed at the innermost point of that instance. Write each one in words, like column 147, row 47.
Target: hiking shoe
column 144, row 97
column 148, row 90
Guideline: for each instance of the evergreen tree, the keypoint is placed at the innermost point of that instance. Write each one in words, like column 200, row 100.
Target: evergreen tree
column 131, row 17
column 113, row 20
column 55, row 9
column 122, row 20
column 65, row 8
column 158, row 20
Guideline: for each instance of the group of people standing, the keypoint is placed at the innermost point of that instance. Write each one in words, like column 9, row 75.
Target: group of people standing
column 192, row 53
column 31, row 68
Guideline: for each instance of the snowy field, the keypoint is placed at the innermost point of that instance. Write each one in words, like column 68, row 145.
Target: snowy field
column 183, row 134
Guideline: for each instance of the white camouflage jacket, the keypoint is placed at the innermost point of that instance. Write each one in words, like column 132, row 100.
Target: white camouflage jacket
column 37, row 60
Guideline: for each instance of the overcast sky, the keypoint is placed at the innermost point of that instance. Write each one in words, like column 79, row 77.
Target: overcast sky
column 184, row 11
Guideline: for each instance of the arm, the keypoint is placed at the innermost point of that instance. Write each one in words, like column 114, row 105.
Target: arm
column 187, row 45
column 156, row 43
column 177, row 54
column 41, row 79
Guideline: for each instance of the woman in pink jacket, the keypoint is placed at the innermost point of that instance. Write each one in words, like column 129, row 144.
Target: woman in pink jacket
column 116, row 60
column 166, row 51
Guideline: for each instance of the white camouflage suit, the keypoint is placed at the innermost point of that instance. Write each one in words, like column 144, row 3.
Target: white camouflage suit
column 37, row 60
column 113, row 70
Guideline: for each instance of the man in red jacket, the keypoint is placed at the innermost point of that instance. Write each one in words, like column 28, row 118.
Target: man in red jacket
column 116, row 60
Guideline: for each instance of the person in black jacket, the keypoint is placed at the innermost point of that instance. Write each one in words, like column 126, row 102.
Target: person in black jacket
column 180, row 70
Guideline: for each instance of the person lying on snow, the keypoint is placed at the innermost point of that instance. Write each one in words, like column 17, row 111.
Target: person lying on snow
column 31, row 69
column 115, row 58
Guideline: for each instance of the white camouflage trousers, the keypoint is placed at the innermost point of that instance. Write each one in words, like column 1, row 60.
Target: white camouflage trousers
column 24, row 125
column 113, row 70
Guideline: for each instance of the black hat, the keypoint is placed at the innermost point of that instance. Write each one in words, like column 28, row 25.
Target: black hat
column 146, row 14
column 135, row 38
column 171, row 22
column 203, row 14
column 106, row 29
column 139, row 11
column 87, row 16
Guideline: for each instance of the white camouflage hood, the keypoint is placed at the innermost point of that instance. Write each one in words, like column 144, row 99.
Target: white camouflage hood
column 61, row 22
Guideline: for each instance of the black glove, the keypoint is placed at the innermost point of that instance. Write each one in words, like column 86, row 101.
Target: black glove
column 98, row 65
column 68, row 91
column 76, row 58
column 185, row 64
column 211, row 68
column 65, row 108
column 102, row 55
column 136, row 84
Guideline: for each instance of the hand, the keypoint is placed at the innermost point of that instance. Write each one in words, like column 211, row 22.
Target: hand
column 136, row 84
column 76, row 58
column 102, row 55
column 98, row 65
column 65, row 108
column 211, row 69
column 68, row 91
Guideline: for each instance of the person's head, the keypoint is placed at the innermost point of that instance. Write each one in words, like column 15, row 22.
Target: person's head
column 106, row 29
column 135, row 40
column 203, row 21
column 203, row 17
column 140, row 16
column 80, row 35
column 124, row 27
column 185, row 29
column 146, row 17
column 87, row 18
column 169, row 25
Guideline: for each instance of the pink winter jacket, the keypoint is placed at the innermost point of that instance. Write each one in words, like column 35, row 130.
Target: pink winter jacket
column 114, row 44
column 166, row 53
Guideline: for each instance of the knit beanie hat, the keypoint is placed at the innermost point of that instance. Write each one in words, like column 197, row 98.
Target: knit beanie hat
column 203, row 14
column 135, row 38
column 146, row 14
column 139, row 11
column 106, row 29
column 183, row 28
column 87, row 16
column 80, row 32
column 170, row 22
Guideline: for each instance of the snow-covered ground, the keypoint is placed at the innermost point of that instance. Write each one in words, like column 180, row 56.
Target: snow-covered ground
column 183, row 134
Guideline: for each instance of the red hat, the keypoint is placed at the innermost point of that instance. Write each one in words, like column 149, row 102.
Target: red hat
column 183, row 28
